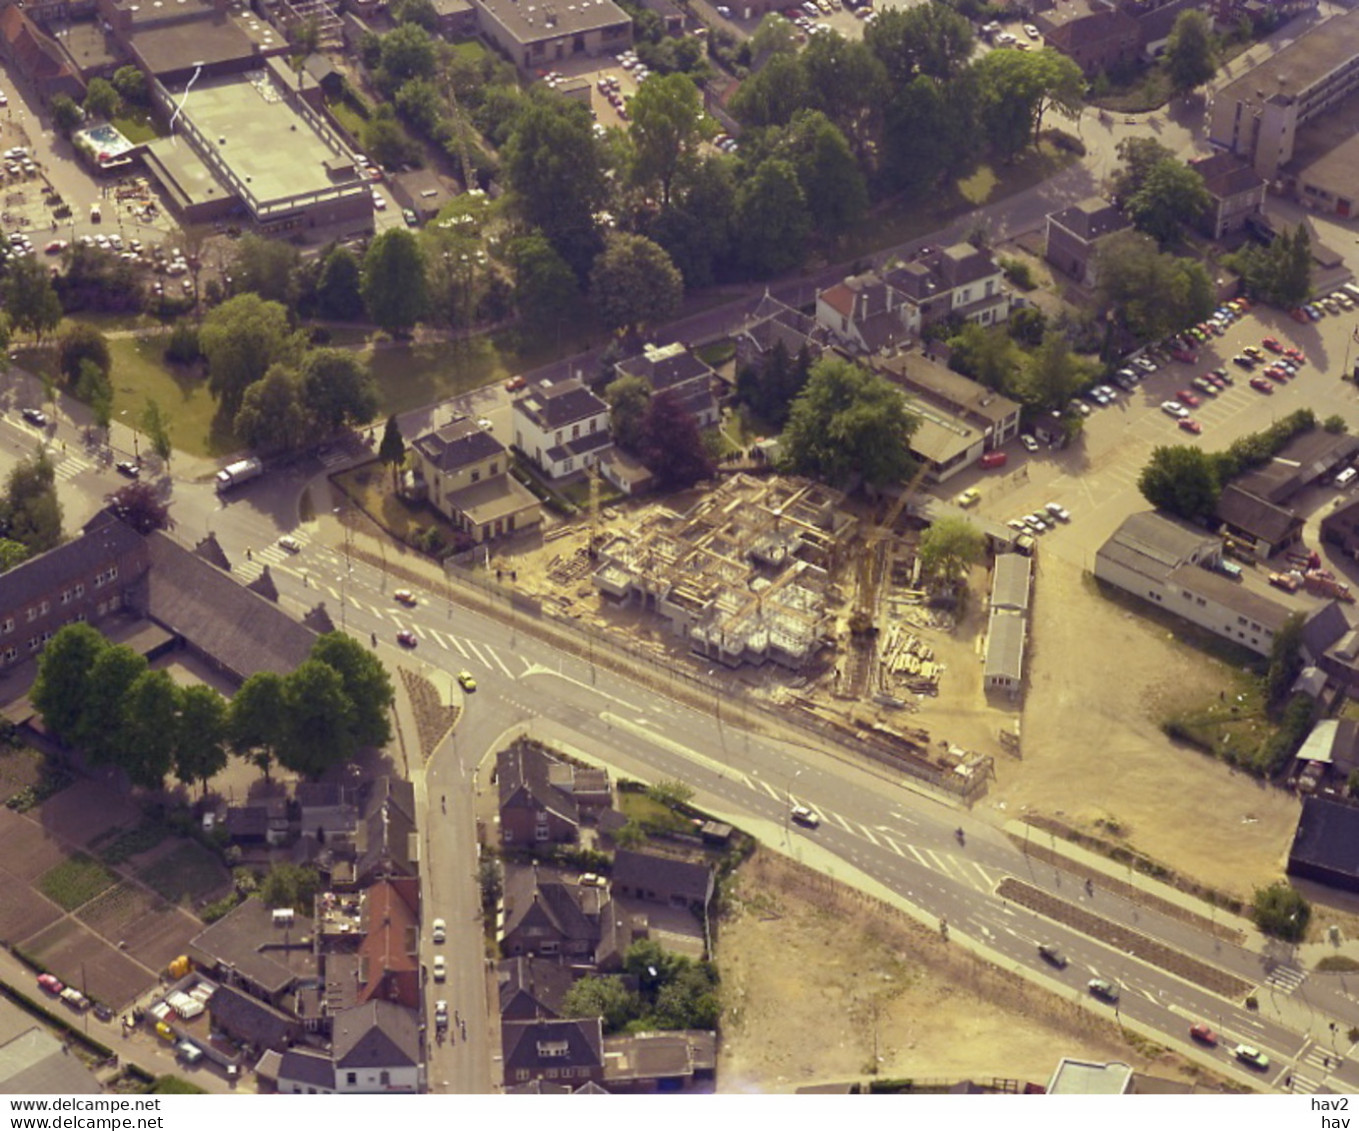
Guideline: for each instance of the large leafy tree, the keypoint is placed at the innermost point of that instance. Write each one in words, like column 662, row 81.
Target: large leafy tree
column 772, row 95
column 555, row 168
column 268, row 268
column 1170, row 196
column 140, row 505
column 1053, row 374
column 929, row 127
column 257, row 719
column 319, row 730
column 772, row 222
column 770, row 386
column 1280, row 273
column 337, row 289
column 831, row 181
column 30, row 511
column 394, row 288
column 337, row 390
column 366, row 684
column 102, row 100
column 241, row 339
column 925, row 39
column 602, row 996
column 628, row 397
column 696, row 230
column 667, row 119
column 545, row 288
column 949, row 546
column 130, row 83
column 200, row 735
column 846, row 81
column 849, row 423
column 1016, row 89
column 62, row 685
column 672, row 446
column 409, row 52
column 1147, row 293
column 1191, row 51
column 1281, row 911
column 99, row 731
column 149, row 730
column 78, row 343
column 30, row 298
column 273, row 416
column 634, row 284
column 1139, row 156
column 1182, row 480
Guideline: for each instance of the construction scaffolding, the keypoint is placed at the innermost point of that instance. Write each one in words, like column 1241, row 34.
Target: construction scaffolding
column 744, row 577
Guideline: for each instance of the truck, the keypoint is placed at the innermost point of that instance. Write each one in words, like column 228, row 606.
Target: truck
column 242, row 471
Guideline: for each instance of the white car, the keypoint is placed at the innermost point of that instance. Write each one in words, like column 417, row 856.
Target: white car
column 441, row 1014
column 1031, row 31
column 1036, row 522
column 1059, row 512
column 1145, row 364
column 1030, row 444
column 439, row 930
column 289, row 543
column 1175, row 409
column 440, row 968
column 379, row 201
column 804, row 816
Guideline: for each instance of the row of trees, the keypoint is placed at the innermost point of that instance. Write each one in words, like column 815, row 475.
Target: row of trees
column 104, row 699
column 30, row 512
column 1280, row 273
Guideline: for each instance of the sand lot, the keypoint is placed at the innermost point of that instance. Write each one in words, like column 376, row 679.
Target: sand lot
column 801, row 955
column 1101, row 681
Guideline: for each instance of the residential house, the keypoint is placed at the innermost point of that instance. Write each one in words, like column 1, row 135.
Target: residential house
column 677, row 370
column 1075, row 234
column 537, row 37
column 662, row 879
column 1257, row 525
column 1236, row 189
column 1331, row 642
column 86, row 579
column 556, row 1051
column 254, row 950
column 37, row 57
column 772, row 322
column 389, row 955
column 328, row 809
column 376, row 1048
column 1170, row 564
column 561, row 426
column 251, row 1021
column 261, row 824
column 465, row 472
column 549, row 917
column 531, row 988
column 630, row 475
column 1095, row 34
column 457, row 19
column 386, row 840
column 533, row 808
column 306, row 1071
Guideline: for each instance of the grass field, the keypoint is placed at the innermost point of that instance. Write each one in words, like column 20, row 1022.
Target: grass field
column 76, row 880
column 136, row 126
column 189, row 873
column 141, row 373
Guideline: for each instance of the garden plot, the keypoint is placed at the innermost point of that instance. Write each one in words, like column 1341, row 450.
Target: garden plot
column 185, row 872
column 134, row 919
column 85, row 810
column 27, row 849
column 80, row 958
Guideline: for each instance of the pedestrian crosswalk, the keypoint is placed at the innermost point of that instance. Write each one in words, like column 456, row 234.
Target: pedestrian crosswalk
column 252, row 563
column 1286, row 978
column 67, row 465
column 335, row 457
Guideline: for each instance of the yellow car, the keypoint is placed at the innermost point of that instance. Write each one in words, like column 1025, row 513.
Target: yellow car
column 969, row 498
column 465, row 681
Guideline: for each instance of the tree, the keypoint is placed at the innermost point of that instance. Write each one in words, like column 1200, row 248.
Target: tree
column 337, row 289
column 99, row 731
column 241, row 339
column 671, row 446
column 272, row 416
column 545, row 289
column 266, row 267
column 30, row 298
column 30, row 511
column 1028, row 325
column 12, row 553
column 392, row 449
column 1285, row 661
column 62, row 684
column 319, row 730
column 256, row 722
column 949, row 546
column 667, row 117
column 927, row 39
column 96, row 390
column 848, row 423
column 629, row 398
column 1336, row 424
column 1171, row 195
column 140, row 506
column 1139, row 156
column 491, row 881
column 774, row 36
column 846, row 81
column 366, row 685
column 146, row 748
column 556, row 172
column 987, row 354
column 337, row 390
column 831, row 181
column 130, row 83
column 385, row 141
column 393, row 281
column 771, row 219
column 1054, row 374
column 602, row 996
column 66, row 115
column 200, row 735
column 409, row 52
column 1191, row 53
column 156, row 425
column 290, row 885
column 1280, row 273
column 82, row 342
column 1016, row 89
column 1182, row 480
column 102, row 100
column 1147, row 293
column 770, row 387
column 634, row 284
column 672, row 793
column 1281, row 911
column 929, row 128
column 419, row 102
column 696, row 230
column 773, row 94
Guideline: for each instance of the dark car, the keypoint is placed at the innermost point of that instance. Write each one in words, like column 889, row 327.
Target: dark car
column 406, row 638
column 1052, row 955
column 128, row 468
column 1103, row 988
column 34, row 416
column 1245, row 362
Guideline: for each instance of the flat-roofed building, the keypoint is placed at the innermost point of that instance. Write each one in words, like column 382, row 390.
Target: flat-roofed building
column 538, row 35
column 1074, row 236
column 1257, row 115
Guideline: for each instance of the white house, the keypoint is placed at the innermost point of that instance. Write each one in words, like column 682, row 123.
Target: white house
column 562, row 427
column 375, row 1048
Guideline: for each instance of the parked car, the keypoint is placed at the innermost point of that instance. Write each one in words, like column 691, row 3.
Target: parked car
column 1254, row 351
column 1145, row 364
column 440, row 968
column 441, row 1014
column 969, row 498
column 1188, row 399
column 1052, row 955
column 1221, row 375
column 1174, row 408
column 1261, row 385
column 439, row 931
column 1201, row 1033
column 1191, row 425
column 1036, row 522
column 1189, row 357
column 50, row 983
column 994, row 459
column 1299, row 315
column 1273, row 345
column 1243, row 361
column 128, row 468
column 1030, row 444
column 34, row 416
column 1204, row 386
column 1058, row 512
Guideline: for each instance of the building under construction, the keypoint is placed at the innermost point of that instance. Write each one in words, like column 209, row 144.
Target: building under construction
column 743, row 576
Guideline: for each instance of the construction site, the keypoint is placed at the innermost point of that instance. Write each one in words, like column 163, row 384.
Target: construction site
column 807, row 602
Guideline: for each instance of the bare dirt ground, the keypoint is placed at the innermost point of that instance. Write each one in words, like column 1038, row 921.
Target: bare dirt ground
column 800, row 955
column 1101, row 681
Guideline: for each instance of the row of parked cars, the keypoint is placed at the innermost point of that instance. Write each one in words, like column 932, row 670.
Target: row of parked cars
column 1040, row 522
column 1347, row 298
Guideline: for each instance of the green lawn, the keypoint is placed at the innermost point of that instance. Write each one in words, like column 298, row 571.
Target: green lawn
column 137, row 126
column 140, row 372
column 190, row 873
column 76, row 880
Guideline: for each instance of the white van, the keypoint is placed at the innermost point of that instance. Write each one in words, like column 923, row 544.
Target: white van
column 1351, row 290
column 1346, row 477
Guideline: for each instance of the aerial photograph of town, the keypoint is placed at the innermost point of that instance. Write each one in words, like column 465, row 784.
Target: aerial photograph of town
column 667, row 547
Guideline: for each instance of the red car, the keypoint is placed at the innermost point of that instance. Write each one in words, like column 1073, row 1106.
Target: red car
column 50, row 984
column 1188, row 399
column 514, row 384
column 1201, row 1033
column 994, row 459
column 1189, row 357
column 406, row 638
column 1274, row 373
column 1298, row 315
column 1191, row 425
column 1214, row 379
column 1295, row 354
column 1260, row 385
column 1272, row 344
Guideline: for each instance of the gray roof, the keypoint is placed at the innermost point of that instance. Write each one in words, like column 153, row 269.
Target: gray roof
column 1255, row 516
column 1091, row 219
column 105, row 540
column 458, row 444
column 1289, row 72
column 666, row 370
column 377, row 1034
column 540, row 1045
column 307, row 1066
column 1153, row 544
column 532, row 988
column 531, row 23
column 1225, row 174
column 1005, row 644
column 250, row 1019
column 1233, row 595
column 1327, row 837
column 36, row 1064
column 962, row 263
column 1010, row 584
column 240, row 630
column 386, row 828
column 662, row 873
column 549, row 905
column 1087, row 1078
column 239, row 941
column 560, row 404
column 522, row 772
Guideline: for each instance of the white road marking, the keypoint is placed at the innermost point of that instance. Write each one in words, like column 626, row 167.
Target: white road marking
column 893, row 845
column 916, row 853
column 477, row 652
column 839, row 820
column 499, row 662
column 863, row 830
column 458, row 645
